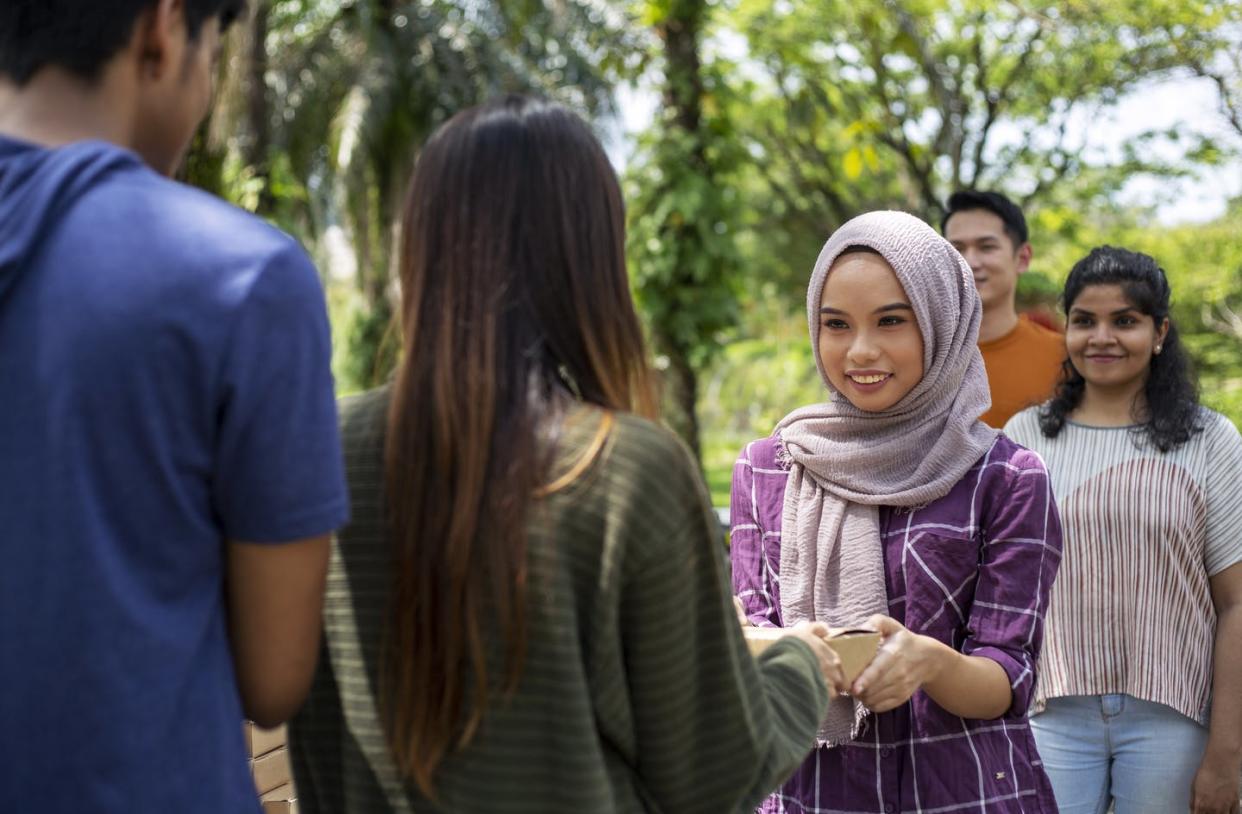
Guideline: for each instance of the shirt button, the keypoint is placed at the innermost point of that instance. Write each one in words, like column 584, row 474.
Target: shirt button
column 889, row 808
column 886, row 752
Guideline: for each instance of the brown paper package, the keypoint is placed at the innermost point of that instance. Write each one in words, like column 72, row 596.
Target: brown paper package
column 855, row 648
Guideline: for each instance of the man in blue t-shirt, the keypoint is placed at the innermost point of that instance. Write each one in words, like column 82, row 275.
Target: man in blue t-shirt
column 170, row 470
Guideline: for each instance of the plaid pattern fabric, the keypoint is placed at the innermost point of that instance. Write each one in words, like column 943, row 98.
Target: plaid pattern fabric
column 973, row 570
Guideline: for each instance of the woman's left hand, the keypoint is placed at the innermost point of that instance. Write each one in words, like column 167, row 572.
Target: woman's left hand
column 904, row 662
column 1215, row 790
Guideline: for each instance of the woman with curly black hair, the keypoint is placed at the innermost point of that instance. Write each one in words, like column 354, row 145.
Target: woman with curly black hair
column 1139, row 696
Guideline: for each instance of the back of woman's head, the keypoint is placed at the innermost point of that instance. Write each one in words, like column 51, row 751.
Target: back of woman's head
column 515, row 218
column 1171, row 402
column 515, row 302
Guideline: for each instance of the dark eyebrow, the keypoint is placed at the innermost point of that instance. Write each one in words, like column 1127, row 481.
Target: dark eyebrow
column 1116, row 313
column 893, row 306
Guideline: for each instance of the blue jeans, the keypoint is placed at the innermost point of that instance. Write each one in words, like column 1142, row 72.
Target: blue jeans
column 1140, row 755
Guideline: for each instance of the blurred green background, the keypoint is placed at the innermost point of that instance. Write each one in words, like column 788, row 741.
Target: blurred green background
column 745, row 131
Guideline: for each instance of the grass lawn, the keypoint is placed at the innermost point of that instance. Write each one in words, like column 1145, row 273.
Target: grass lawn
column 719, row 453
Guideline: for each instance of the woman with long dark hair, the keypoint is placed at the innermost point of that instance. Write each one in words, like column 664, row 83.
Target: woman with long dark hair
column 1139, row 698
column 529, row 610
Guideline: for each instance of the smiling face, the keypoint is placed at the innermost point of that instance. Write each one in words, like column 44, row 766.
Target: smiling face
column 870, row 345
column 995, row 263
column 1110, row 342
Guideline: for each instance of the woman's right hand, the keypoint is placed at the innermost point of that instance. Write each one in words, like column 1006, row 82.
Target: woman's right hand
column 815, row 634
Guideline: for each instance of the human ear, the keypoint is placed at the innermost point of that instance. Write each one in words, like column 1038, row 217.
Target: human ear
column 1162, row 331
column 1024, row 257
column 161, row 37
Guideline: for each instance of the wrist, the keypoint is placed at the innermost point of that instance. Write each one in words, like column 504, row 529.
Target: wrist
column 937, row 658
column 1224, row 755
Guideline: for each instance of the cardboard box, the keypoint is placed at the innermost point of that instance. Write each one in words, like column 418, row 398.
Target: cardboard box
column 271, row 771
column 260, row 741
column 281, row 800
column 855, row 648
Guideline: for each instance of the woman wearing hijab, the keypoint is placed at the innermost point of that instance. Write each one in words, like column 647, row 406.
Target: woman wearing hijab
column 891, row 505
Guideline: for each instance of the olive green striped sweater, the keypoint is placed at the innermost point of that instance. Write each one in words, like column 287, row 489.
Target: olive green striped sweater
column 638, row 693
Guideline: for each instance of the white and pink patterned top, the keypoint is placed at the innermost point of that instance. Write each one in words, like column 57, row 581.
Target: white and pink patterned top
column 1144, row 531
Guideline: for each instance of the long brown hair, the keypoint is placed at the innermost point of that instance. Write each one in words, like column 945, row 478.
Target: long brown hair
column 515, row 301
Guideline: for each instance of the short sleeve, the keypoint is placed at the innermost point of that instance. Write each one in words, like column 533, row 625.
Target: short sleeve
column 1224, row 496
column 278, row 473
column 1020, row 558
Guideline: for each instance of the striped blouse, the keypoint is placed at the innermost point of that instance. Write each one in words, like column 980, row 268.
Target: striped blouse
column 1131, row 611
column 973, row 570
column 638, row 694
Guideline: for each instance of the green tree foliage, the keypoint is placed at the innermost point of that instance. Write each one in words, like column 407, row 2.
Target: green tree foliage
column 682, row 256
column 326, row 118
column 777, row 121
column 857, row 106
column 844, row 107
column 377, row 77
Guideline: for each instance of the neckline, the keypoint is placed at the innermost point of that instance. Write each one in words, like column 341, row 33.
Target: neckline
column 1004, row 338
column 1101, row 427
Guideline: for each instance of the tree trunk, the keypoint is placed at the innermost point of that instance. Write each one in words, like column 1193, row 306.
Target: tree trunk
column 683, row 96
column 258, row 107
column 681, row 393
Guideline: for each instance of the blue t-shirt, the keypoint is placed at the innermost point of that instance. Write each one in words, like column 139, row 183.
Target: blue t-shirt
column 164, row 386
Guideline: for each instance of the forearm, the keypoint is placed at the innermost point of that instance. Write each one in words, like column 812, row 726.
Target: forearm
column 967, row 686
column 1225, row 739
column 796, row 698
column 275, row 600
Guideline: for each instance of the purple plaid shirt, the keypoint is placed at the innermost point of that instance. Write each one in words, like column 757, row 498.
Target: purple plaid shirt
column 973, row 570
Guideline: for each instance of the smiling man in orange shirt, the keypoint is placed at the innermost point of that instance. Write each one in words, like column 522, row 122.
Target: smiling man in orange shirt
column 1023, row 359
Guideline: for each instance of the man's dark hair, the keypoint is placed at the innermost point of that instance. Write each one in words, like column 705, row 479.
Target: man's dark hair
column 82, row 35
column 966, row 200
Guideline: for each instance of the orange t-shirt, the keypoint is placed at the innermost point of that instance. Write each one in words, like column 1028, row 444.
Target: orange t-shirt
column 1023, row 367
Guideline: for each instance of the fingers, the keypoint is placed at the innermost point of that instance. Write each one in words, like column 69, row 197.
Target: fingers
column 883, row 696
column 873, row 674
column 885, row 625
column 815, row 634
column 829, row 665
column 834, row 673
column 891, row 677
column 818, row 629
column 1204, row 804
column 884, row 703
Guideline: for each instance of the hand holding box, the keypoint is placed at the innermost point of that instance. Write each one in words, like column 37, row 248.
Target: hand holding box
column 854, row 647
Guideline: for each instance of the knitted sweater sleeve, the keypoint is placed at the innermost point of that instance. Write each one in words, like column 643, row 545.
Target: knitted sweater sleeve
column 717, row 730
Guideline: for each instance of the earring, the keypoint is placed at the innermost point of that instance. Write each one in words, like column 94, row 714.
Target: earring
column 1158, row 347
